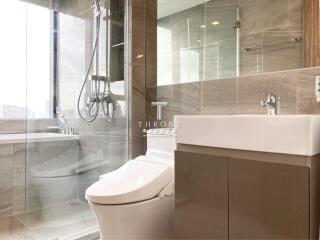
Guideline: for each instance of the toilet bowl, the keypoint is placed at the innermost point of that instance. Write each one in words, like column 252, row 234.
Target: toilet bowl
column 136, row 201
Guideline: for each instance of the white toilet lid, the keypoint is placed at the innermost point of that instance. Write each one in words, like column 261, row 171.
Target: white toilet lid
column 133, row 182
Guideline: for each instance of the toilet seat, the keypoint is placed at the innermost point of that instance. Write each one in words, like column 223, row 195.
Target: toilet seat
column 135, row 181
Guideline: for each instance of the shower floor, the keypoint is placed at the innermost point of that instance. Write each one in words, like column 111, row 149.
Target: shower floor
column 11, row 229
column 68, row 221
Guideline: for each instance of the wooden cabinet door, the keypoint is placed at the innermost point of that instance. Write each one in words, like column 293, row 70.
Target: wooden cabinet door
column 201, row 196
column 268, row 200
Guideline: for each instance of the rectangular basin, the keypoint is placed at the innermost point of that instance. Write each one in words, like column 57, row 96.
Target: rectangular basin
column 287, row 134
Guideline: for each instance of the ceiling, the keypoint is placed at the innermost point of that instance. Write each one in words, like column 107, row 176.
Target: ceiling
column 169, row 7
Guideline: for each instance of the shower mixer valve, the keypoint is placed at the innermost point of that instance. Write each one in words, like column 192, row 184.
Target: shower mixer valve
column 108, row 104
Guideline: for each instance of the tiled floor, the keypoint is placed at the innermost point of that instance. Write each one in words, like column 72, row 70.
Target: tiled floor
column 11, row 229
column 69, row 221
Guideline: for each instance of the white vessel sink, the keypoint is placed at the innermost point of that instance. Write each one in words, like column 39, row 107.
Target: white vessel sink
column 288, row 134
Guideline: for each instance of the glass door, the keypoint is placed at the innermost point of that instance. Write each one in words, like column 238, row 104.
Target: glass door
column 70, row 81
column 12, row 118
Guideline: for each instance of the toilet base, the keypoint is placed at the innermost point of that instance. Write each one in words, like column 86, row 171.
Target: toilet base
column 151, row 219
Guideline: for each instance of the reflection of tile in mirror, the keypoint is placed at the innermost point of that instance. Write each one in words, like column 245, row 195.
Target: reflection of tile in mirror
column 267, row 34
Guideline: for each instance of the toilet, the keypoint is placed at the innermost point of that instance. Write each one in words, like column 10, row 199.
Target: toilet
column 136, row 201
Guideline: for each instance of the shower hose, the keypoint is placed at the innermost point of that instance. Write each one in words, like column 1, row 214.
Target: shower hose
column 93, row 102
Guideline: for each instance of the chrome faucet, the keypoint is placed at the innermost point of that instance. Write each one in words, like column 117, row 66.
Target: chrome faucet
column 63, row 123
column 272, row 104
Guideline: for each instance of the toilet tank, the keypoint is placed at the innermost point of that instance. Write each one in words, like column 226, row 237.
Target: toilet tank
column 161, row 144
column 161, row 139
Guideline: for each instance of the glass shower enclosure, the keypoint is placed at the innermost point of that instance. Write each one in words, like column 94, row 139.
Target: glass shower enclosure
column 63, row 113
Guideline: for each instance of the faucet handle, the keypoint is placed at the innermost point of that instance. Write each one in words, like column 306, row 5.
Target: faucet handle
column 272, row 104
column 264, row 103
column 271, row 97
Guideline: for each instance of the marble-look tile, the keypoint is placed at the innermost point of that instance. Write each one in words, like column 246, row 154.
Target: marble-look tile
column 306, row 99
column 220, row 58
column 86, row 179
column 13, row 126
column 108, row 150
column 90, row 149
column 251, row 92
column 11, row 229
column 251, row 57
column 49, row 156
column 151, row 43
column 68, row 220
column 38, row 153
column 40, row 125
column 181, row 98
column 19, row 178
column 219, row 97
column 139, row 69
column 283, row 85
column 91, row 156
column 268, row 30
column 184, row 47
column 6, row 179
column 240, row 95
column 254, row 89
column 263, row 15
column 23, row 125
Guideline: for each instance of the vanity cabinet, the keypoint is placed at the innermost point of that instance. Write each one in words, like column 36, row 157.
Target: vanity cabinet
column 222, row 196
column 201, row 196
column 268, row 200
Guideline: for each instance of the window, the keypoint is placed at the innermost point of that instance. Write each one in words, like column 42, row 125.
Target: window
column 165, row 75
column 72, row 57
column 26, row 82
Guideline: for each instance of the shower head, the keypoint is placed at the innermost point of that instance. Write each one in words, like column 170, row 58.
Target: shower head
column 97, row 5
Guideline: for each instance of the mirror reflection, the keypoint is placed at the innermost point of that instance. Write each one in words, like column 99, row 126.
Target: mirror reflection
column 200, row 40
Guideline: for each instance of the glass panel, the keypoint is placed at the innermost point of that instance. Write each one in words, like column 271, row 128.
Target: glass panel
column 67, row 153
column 14, row 56
column 181, row 34
column 13, row 60
column 232, row 38
column 220, row 45
column 12, row 119
column 196, row 41
column 39, row 61
column 270, row 32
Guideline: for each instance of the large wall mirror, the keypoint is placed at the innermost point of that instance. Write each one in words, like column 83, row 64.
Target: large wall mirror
column 201, row 40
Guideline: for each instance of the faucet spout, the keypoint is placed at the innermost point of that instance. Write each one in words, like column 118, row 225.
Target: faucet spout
column 272, row 104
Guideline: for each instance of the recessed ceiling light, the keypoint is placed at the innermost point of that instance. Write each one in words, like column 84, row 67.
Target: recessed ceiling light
column 203, row 26
column 215, row 23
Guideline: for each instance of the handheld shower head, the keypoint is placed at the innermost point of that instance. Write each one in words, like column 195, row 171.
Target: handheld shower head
column 92, row 104
column 97, row 4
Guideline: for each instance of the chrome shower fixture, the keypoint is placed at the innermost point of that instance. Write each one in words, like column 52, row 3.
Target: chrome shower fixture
column 107, row 100
column 98, row 83
column 97, row 8
column 97, row 4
